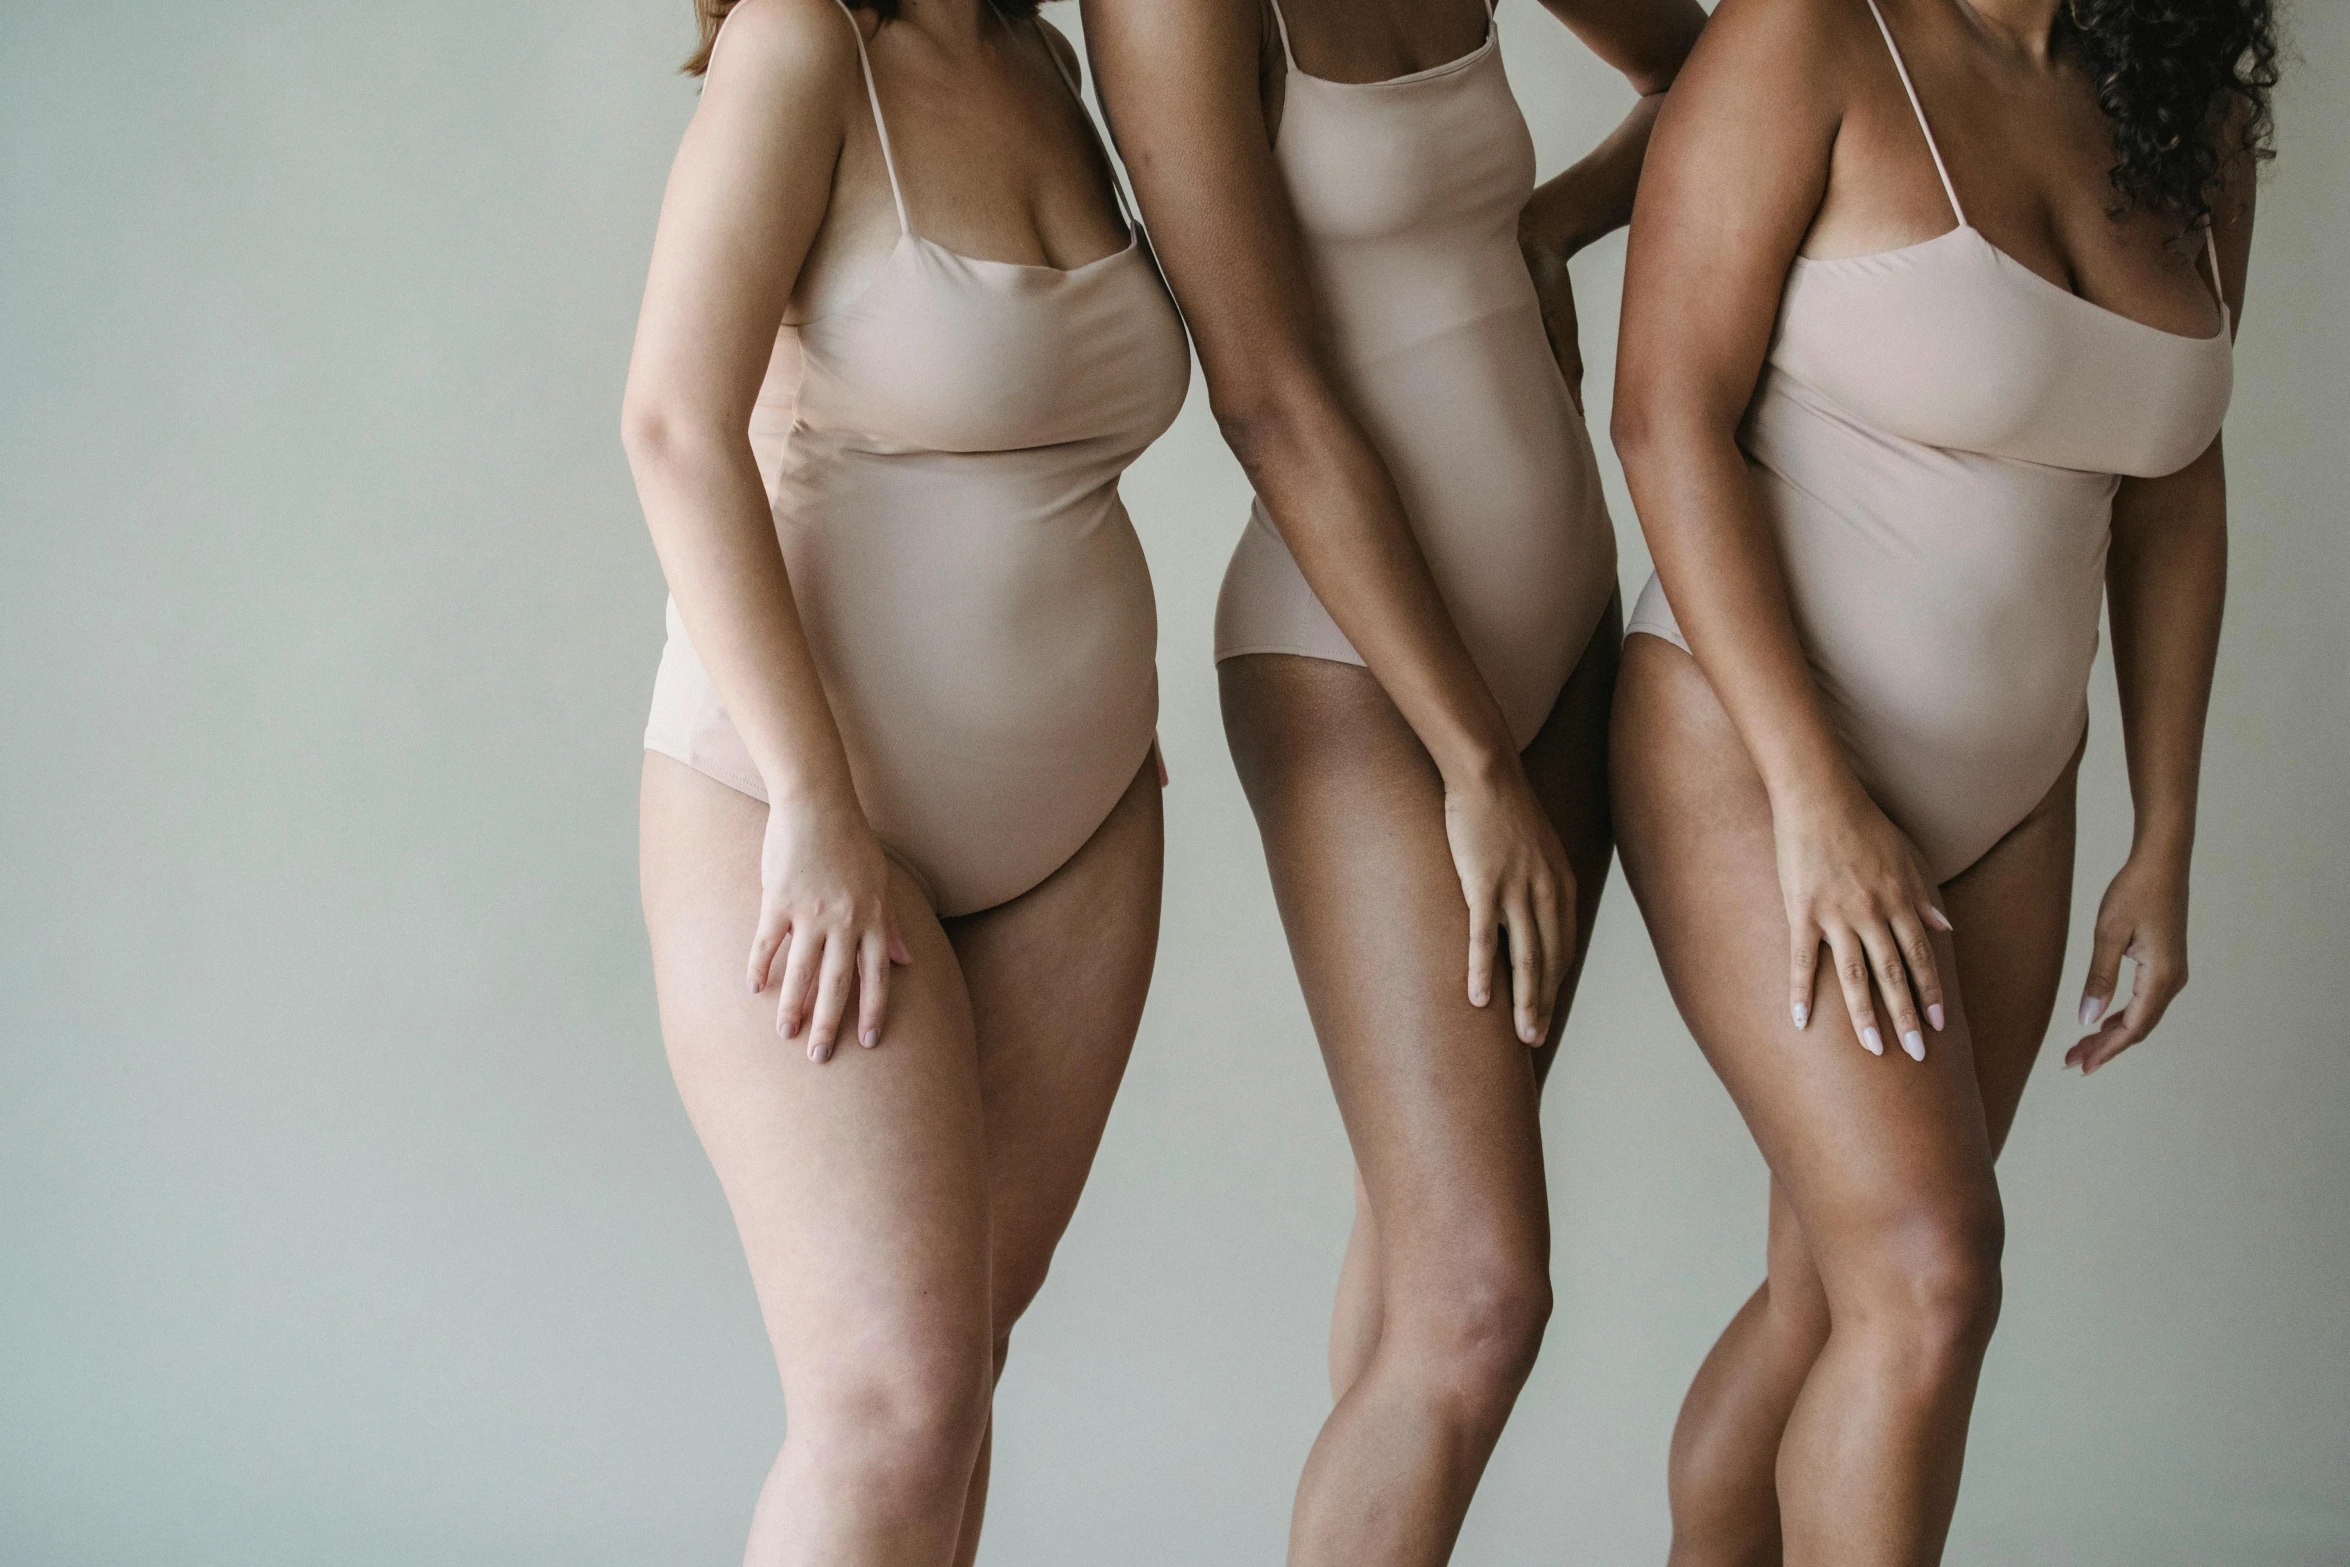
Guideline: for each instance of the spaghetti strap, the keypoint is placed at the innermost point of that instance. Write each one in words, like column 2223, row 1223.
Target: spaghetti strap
column 1077, row 91
column 1902, row 67
column 2211, row 250
column 880, row 125
column 1281, row 25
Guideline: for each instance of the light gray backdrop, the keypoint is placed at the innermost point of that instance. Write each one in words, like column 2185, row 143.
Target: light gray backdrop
column 346, row 1212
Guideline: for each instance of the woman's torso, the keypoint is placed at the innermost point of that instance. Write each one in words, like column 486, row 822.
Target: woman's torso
column 1407, row 194
column 1937, row 437
column 943, row 451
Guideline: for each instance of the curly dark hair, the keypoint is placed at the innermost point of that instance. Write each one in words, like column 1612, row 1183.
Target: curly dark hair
column 2185, row 85
column 709, row 13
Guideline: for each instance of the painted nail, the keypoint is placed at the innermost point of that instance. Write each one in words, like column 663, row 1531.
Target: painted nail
column 1914, row 1043
column 1934, row 1016
column 1802, row 1015
column 1872, row 1041
column 1939, row 920
column 2092, row 1008
column 869, row 1038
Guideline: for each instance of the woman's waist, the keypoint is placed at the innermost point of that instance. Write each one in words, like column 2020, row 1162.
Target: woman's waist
column 1382, row 297
column 829, row 477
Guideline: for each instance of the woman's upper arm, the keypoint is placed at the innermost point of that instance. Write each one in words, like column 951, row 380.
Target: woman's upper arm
column 1179, row 86
column 1735, row 171
column 746, row 195
column 1645, row 39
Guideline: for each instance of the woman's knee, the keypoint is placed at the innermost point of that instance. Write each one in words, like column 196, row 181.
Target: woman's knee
column 908, row 1419
column 1932, row 1283
column 1473, row 1321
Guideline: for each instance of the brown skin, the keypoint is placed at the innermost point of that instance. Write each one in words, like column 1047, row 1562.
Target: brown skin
column 1829, row 1423
column 898, row 1204
column 1401, row 824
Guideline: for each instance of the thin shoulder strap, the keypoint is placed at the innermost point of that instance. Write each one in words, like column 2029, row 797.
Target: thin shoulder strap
column 2211, row 249
column 1902, row 66
column 1077, row 91
column 880, row 125
column 1281, row 25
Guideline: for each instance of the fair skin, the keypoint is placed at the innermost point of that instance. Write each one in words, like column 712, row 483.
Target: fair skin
column 1829, row 1423
column 1403, row 827
column 899, row 1202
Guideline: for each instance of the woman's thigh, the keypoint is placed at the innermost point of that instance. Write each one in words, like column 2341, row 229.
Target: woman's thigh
column 1057, row 979
column 855, row 1184
column 1866, row 1148
column 1567, row 763
column 2012, row 911
column 1438, row 1096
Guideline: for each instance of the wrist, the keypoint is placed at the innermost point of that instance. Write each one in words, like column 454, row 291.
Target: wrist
column 1812, row 788
column 1477, row 765
column 2163, row 838
column 803, row 792
column 1556, row 219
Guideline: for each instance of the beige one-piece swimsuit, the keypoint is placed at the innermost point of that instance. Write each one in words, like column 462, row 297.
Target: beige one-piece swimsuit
column 1407, row 194
column 1937, row 437
column 945, row 487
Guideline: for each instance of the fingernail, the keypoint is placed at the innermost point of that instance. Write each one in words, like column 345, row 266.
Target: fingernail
column 1802, row 1015
column 1914, row 1043
column 869, row 1038
column 1939, row 920
column 1934, row 1016
column 1872, row 1041
column 2092, row 1008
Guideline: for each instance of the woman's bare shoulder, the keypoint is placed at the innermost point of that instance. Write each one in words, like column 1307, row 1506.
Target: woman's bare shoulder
column 792, row 46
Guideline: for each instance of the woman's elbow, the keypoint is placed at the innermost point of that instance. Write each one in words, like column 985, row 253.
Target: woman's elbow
column 648, row 429
column 1633, row 420
column 1266, row 418
column 661, row 433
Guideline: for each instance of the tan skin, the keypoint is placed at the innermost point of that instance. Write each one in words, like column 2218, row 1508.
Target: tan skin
column 1829, row 1423
column 898, row 1203
column 1402, row 826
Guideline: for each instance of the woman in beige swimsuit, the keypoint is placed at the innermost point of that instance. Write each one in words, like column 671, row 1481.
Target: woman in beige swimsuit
column 1956, row 385
column 1416, row 640
column 905, row 714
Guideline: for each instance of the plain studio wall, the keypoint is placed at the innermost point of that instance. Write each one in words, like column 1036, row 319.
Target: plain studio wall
column 347, row 1214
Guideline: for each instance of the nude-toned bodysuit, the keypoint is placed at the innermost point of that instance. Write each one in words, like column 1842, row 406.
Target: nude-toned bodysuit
column 946, row 493
column 1407, row 194
column 1937, row 437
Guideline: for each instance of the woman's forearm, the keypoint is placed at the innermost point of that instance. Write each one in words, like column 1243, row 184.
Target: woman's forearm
column 2166, row 586
column 1721, row 572
column 708, row 514
column 1592, row 197
column 1336, row 507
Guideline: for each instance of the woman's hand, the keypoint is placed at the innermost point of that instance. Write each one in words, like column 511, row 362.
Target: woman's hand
column 1855, row 883
column 1515, row 876
column 1547, row 262
column 824, row 923
column 2144, row 919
